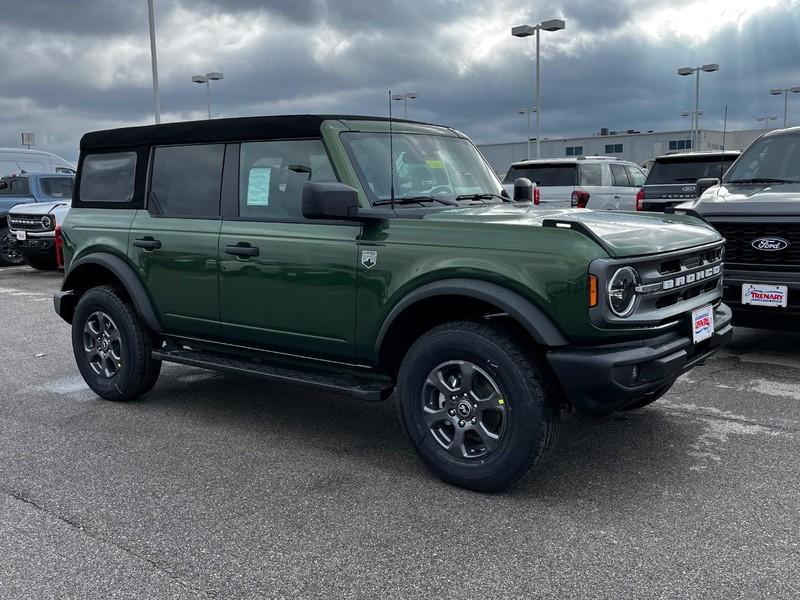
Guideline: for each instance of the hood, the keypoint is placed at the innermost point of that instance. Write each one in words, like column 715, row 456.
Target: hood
column 39, row 208
column 781, row 199
column 622, row 233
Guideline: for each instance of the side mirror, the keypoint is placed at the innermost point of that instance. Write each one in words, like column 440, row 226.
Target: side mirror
column 523, row 190
column 705, row 183
column 328, row 200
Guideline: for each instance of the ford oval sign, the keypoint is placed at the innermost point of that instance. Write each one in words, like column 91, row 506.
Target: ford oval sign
column 689, row 188
column 768, row 244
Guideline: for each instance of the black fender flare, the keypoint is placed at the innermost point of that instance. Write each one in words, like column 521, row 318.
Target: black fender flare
column 127, row 277
column 530, row 316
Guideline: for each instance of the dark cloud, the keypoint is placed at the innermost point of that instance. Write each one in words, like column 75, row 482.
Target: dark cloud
column 86, row 65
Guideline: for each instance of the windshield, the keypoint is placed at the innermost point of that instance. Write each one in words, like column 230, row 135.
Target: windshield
column 424, row 165
column 546, row 175
column 687, row 170
column 57, row 187
column 775, row 157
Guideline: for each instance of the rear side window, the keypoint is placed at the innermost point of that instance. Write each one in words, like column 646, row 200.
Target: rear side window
column 620, row 176
column 591, row 174
column 272, row 176
column 17, row 186
column 57, row 187
column 551, row 175
column 186, row 181
column 108, row 177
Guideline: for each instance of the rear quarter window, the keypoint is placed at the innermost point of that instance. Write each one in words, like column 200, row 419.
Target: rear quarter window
column 108, row 177
column 591, row 174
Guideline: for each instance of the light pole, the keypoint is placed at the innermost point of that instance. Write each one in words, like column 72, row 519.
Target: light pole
column 766, row 119
column 785, row 92
column 527, row 112
column 691, row 113
column 153, row 60
column 683, row 71
column 405, row 98
column 522, row 31
column 213, row 76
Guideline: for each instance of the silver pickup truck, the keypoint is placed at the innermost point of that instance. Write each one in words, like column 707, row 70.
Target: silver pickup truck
column 31, row 206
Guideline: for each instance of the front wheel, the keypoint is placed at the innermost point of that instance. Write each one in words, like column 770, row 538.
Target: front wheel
column 9, row 256
column 112, row 346
column 478, row 406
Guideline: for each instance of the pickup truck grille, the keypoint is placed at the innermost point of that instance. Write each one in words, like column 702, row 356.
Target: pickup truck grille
column 739, row 250
column 31, row 223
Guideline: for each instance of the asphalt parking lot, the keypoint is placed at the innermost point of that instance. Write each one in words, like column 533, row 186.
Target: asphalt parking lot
column 216, row 486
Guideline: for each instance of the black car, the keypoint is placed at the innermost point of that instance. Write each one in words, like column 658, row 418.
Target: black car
column 672, row 178
column 756, row 207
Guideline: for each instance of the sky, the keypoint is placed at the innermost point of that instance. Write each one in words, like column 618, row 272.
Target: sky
column 72, row 66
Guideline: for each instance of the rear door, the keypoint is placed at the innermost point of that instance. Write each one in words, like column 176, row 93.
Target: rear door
column 590, row 180
column 174, row 241
column 286, row 283
column 636, row 177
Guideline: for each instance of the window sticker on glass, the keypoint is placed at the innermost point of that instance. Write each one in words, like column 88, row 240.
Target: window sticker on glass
column 258, row 186
column 434, row 164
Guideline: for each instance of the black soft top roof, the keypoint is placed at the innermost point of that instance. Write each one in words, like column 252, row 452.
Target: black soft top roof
column 216, row 130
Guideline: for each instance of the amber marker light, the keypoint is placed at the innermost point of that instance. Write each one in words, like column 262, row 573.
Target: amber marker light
column 592, row 291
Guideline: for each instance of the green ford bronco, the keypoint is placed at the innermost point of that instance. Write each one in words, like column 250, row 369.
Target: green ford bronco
column 367, row 256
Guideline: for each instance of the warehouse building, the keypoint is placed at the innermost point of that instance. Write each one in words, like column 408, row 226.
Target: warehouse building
column 635, row 146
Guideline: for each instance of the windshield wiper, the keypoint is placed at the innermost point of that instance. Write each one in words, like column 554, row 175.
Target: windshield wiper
column 412, row 200
column 483, row 196
column 761, row 180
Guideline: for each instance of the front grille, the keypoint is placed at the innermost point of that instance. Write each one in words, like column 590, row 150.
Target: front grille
column 27, row 222
column 739, row 250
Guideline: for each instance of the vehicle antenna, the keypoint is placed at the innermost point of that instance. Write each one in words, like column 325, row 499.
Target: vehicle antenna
column 391, row 152
column 722, row 158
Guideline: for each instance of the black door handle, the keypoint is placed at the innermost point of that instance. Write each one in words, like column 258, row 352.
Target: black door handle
column 242, row 249
column 147, row 243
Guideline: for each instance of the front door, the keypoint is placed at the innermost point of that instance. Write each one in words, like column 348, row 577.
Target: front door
column 286, row 283
column 174, row 242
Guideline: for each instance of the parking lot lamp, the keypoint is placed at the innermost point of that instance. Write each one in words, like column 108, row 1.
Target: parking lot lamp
column 522, row 31
column 405, row 97
column 208, row 77
column 684, row 71
column 766, row 119
column 785, row 92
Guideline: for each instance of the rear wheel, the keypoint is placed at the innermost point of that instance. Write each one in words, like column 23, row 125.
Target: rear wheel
column 112, row 347
column 42, row 263
column 478, row 407
column 9, row 255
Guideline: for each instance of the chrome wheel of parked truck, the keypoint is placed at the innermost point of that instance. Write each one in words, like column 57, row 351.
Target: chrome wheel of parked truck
column 352, row 255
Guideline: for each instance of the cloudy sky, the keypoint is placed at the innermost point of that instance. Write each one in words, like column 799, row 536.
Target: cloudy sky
column 71, row 66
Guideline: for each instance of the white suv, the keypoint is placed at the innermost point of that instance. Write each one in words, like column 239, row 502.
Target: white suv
column 596, row 182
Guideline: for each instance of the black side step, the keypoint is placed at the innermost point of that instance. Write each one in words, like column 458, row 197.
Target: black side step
column 370, row 390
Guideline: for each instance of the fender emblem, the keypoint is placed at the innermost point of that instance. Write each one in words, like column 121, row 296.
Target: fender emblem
column 369, row 258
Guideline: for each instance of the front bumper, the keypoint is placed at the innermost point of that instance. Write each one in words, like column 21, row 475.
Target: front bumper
column 762, row 316
column 599, row 379
column 33, row 246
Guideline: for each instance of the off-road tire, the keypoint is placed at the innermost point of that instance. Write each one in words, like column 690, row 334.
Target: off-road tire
column 41, row 263
column 530, row 394
column 137, row 372
column 8, row 258
column 650, row 397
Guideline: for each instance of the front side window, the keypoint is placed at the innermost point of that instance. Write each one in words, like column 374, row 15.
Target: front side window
column 57, row 187
column 437, row 166
column 108, row 177
column 186, row 181
column 15, row 186
column 770, row 158
column 272, row 176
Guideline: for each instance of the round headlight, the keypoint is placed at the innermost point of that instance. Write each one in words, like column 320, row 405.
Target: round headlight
column 47, row 222
column 622, row 291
